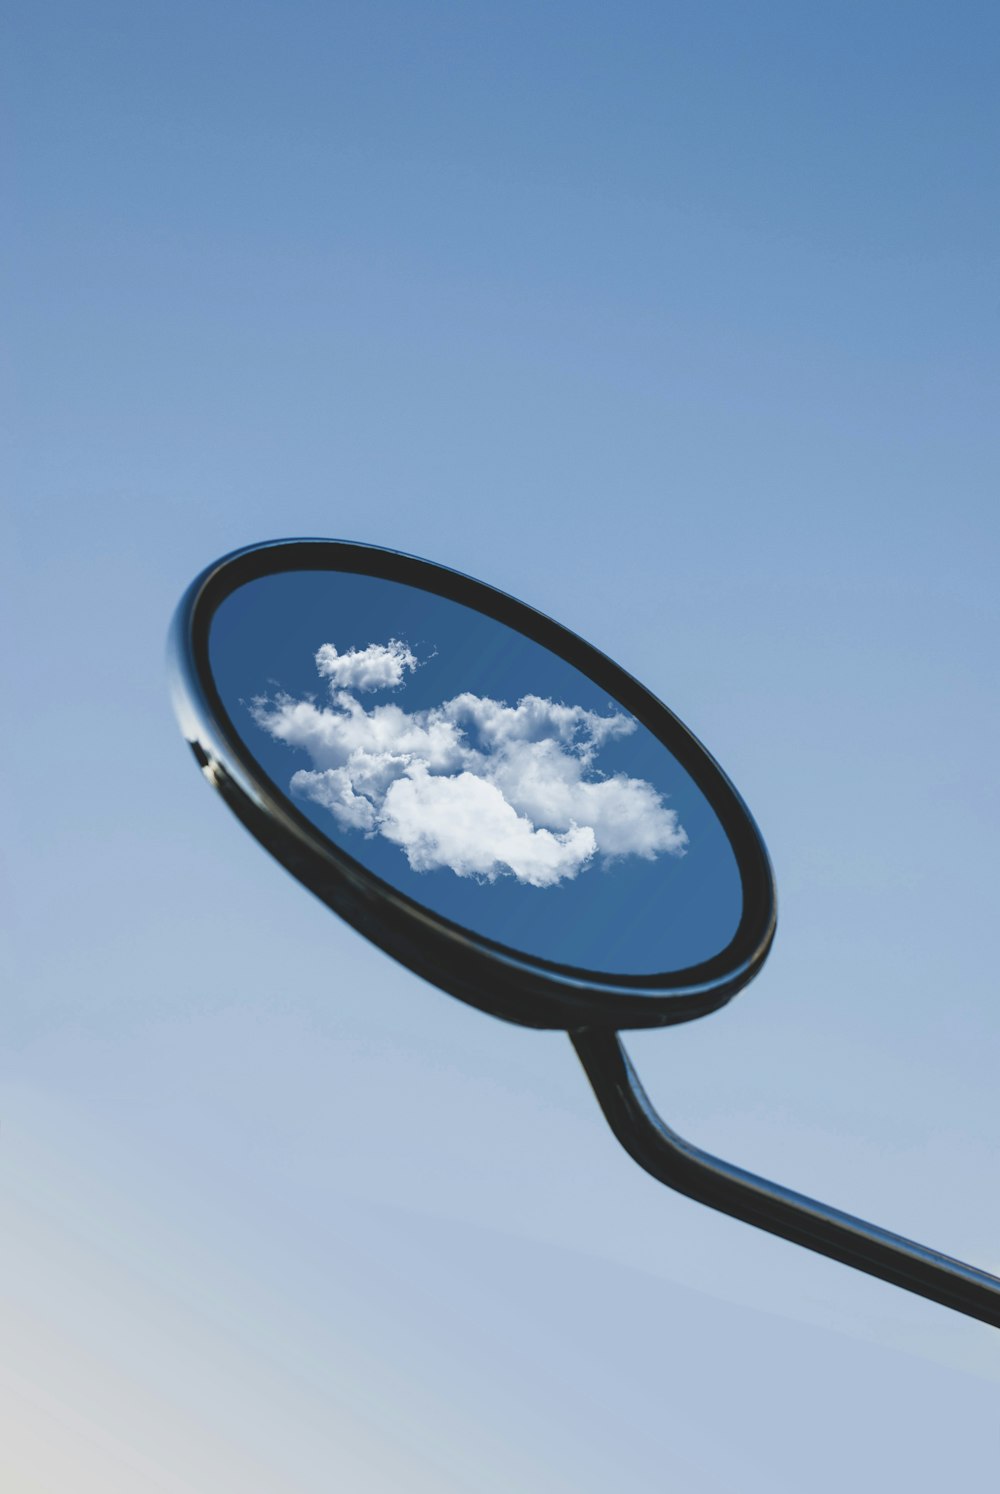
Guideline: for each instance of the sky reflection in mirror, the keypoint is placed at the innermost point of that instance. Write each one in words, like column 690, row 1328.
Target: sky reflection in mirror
column 475, row 771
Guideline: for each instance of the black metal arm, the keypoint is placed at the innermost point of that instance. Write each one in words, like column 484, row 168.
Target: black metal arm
column 674, row 1161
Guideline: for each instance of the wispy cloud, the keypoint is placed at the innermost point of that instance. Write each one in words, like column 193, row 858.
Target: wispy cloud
column 475, row 785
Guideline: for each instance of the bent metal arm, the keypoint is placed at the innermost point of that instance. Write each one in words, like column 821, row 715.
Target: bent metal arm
column 674, row 1161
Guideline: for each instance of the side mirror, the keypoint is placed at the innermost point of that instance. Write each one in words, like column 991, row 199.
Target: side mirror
column 507, row 812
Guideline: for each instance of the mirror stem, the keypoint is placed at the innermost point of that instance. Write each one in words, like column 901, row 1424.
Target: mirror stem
column 674, row 1161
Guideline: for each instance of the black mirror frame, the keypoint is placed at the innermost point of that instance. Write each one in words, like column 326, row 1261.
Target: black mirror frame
column 488, row 975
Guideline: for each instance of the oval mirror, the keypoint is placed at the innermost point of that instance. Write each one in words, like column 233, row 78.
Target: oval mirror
column 507, row 812
column 483, row 794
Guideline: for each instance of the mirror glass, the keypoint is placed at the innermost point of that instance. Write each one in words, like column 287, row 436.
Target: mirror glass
column 475, row 771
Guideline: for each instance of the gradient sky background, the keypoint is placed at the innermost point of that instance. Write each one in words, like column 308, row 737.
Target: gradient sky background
column 679, row 322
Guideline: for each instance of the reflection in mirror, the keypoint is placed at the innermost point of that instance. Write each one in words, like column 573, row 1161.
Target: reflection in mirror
column 475, row 771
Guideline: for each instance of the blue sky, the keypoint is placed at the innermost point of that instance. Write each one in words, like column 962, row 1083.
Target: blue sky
column 656, row 888
column 679, row 322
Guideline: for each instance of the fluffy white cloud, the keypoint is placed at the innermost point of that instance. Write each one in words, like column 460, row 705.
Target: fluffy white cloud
column 474, row 785
column 377, row 667
column 464, row 822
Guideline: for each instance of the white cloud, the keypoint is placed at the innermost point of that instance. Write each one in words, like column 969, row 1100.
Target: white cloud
column 465, row 823
column 474, row 785
column 377, row 667
column 334, row 789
